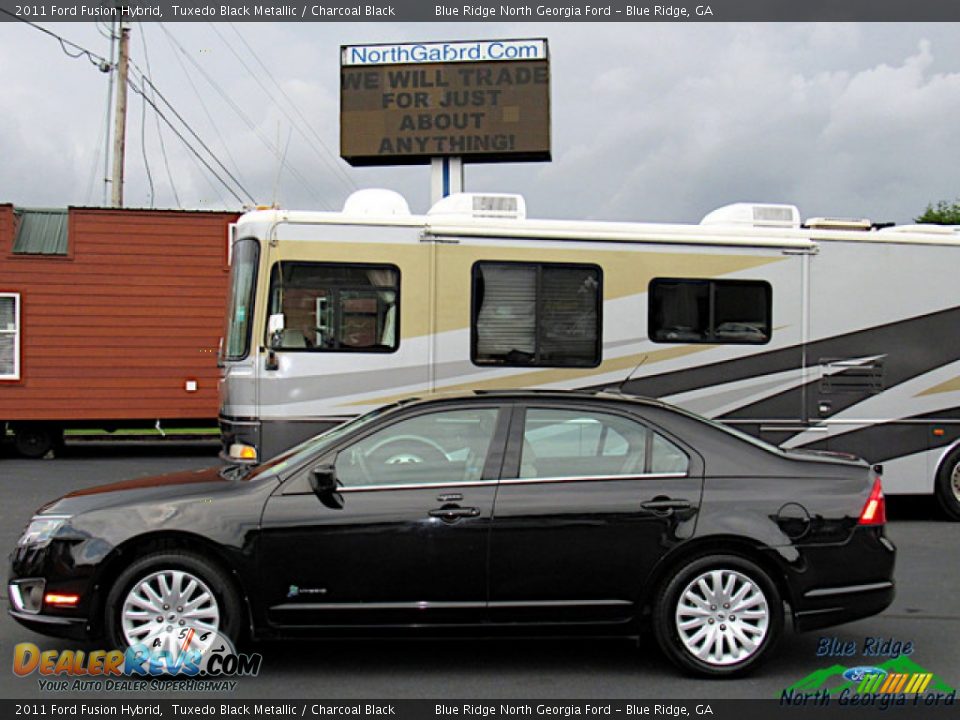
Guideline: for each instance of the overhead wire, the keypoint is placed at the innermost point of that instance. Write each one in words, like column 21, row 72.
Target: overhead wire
column 326, row 155
column 238, row 111
column 193, row 133
column 203, row 105
column 142, row 92
column 163, row 145
column 143, row 127
column 95, row 59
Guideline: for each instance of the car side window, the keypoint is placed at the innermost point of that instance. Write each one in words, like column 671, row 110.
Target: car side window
column 436, row 448
column 575, row 443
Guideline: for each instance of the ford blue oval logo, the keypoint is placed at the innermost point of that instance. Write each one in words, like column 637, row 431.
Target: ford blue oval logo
column 856, row 674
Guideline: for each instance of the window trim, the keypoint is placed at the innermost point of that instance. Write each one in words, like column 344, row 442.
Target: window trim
column 254, row 281
column 514, row 451
column 17, row 333
column 327, row 263
column 491, row 468
column 711, row 283
column 475, row 311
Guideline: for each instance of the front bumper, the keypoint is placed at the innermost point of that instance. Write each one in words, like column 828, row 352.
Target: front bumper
column 72, row 628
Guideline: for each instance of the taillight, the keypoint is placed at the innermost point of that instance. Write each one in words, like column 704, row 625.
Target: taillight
column 875, row 511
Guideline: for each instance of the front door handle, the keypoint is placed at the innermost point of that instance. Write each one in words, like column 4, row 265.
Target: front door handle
column 452, row 514
column 662, row 504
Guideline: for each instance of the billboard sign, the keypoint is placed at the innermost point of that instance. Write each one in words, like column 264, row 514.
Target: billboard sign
column 482, row 100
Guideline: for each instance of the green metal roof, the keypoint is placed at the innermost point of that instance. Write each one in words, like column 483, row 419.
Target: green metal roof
column 40, row 232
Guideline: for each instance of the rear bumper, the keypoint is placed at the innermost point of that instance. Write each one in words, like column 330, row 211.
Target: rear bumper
column 824, row 607
column 835, row 584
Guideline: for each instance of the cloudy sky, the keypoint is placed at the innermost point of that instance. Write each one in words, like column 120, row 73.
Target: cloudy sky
column 650, row 121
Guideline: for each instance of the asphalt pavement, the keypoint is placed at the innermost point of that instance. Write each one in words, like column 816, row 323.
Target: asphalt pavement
column 925, row 613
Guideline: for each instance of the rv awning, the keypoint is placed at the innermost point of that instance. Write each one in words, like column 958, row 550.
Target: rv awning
column 40, row 232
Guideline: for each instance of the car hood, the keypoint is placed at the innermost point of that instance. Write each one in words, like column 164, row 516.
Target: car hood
column 183, row 485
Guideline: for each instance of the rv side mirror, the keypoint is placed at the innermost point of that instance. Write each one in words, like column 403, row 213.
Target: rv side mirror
column 275, row 327
column 323, row 480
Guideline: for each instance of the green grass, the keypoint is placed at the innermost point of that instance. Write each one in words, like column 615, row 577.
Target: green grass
column 141, row 431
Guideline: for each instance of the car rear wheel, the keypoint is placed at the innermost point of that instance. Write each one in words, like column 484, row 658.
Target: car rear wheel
column 948, row 486
column 718, row 616
column 170, row 602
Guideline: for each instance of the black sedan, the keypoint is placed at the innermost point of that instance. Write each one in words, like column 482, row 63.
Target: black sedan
column 529, row 512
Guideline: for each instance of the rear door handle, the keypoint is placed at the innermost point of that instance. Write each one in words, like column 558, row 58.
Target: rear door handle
column 666, row 504
column 452, row 514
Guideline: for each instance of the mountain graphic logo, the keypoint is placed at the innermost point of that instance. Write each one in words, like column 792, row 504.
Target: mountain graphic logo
column 897, row 675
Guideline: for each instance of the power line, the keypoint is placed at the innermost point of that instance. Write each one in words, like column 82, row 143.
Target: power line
column 180, row 117
column 203, row 105
column 143, row 126
column 97, row 60
column 238, row 112
column 163, row 145
column 156, row 109
column 337, row 170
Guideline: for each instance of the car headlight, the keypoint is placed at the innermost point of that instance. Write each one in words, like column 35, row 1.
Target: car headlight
column 41, row 529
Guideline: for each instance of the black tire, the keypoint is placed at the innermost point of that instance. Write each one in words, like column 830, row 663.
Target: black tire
column 35, row 441
column 227, row 601
column 947, row 487
column 737, row 661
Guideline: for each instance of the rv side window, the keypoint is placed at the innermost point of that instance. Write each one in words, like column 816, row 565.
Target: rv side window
column 334, row 307
column 709, row 311
column 538, row 314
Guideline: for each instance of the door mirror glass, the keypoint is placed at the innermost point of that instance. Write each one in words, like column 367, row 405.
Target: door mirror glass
column 275, row 328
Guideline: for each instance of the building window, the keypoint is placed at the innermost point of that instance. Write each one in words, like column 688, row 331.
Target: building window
column 710, row 311
column 336, row 307
column 536, row 314
column 9, row 336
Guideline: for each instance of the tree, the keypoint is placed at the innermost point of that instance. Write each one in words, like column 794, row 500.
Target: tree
column 943, row 213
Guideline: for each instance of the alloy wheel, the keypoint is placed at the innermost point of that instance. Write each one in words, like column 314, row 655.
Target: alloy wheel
column 722, row 617
column 171, row 611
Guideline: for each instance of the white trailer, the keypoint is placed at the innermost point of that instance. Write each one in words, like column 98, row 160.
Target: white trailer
column 830, row 334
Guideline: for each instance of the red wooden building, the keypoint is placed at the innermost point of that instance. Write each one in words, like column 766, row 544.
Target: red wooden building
column 109, row 318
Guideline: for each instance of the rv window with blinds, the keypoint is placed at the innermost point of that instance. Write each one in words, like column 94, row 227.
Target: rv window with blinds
column 9, row 336
column 334, row 307
column 715, row 312
column 536, row 314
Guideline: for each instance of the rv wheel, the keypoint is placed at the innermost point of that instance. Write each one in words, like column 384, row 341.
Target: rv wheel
column 948, row 486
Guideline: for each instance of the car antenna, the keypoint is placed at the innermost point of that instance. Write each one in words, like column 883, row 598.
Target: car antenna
column 623, row 383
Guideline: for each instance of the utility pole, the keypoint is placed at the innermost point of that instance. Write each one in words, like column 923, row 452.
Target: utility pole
column 120, row 117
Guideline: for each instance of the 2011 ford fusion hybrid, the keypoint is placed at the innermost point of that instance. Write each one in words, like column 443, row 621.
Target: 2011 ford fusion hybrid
column 478, row 514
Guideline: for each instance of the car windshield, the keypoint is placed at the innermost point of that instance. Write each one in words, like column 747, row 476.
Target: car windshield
column 315, row 445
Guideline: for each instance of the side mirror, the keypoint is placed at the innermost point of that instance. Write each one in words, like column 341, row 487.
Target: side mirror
column 275, row 327
column 323, row 479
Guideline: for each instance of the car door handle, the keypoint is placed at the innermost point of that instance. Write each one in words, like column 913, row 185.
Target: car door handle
column 452, row 514
column 661, row 504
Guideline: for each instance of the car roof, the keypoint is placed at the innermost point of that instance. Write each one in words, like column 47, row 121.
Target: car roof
column 535, row 394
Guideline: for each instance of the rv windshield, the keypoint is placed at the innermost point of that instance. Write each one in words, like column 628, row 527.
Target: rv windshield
column 246, row 254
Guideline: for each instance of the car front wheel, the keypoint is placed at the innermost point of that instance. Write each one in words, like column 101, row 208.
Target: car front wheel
column 718, row 616
column 170, row 602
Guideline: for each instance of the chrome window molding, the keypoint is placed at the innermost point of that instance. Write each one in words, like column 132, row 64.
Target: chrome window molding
column 510, row 481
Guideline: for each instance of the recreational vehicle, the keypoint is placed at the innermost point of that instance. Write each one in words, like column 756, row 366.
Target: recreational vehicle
column 829, row 335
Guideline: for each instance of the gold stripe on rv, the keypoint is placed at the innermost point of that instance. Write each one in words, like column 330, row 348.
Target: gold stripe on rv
column 624, row 272
column 944, row 387
column 550, row 376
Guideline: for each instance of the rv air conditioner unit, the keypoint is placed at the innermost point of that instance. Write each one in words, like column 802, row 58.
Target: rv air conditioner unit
column 760, row 215
column 502, row 206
